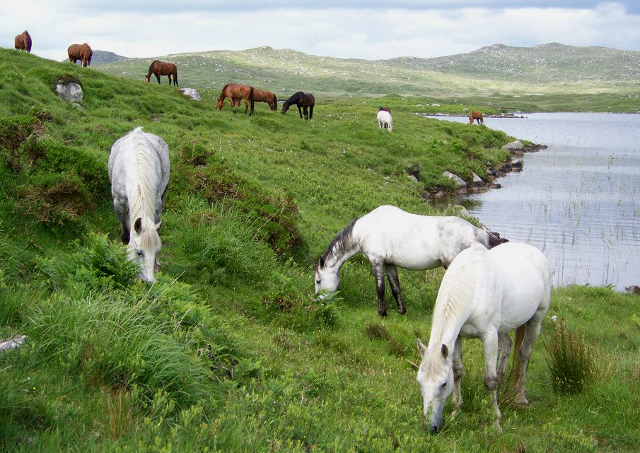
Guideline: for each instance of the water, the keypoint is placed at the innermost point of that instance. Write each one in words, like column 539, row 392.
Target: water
column 578, row 201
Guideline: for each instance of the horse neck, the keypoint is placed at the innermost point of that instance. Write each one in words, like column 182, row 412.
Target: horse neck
column 342, row 247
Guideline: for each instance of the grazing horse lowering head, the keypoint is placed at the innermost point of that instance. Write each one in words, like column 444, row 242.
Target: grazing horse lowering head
column 435, row 376
column 23, row 41
column 473, row 115
column 144, row 246
column 304, row 101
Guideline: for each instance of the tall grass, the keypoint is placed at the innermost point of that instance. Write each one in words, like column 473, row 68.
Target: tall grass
column 570, row 360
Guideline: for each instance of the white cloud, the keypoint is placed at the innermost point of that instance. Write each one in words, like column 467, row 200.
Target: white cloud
column 371, row 33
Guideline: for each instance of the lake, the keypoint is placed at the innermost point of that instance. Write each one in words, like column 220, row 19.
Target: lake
column 578, row 201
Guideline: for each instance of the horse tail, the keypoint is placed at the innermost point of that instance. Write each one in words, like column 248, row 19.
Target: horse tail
column 252, row 100
column 175, row 75
column 275, row 102
column 516, row 349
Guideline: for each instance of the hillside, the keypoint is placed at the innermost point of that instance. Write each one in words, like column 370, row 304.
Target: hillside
column 229, row 351
column 498, row 72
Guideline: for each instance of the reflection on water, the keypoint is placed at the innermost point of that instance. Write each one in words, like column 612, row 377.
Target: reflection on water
column 578, row 201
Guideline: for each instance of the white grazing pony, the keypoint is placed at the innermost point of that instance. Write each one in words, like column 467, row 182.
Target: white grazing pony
column 385, row 120
column 390, row 237
column 484, row 294
column 139, row 175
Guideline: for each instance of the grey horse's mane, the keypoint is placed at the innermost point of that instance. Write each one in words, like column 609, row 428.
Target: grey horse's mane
column 340, row 243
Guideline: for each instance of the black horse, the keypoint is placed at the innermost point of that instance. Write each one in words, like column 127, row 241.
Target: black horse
column 304, row 100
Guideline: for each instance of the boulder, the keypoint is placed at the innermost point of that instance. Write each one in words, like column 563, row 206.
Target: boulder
column 515, row 145
column 457, row 179
column 477, row 180
column 191, row 92
column 14, row 343
column 69, row 91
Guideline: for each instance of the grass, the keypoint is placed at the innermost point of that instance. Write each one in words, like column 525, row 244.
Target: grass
column 228, row 351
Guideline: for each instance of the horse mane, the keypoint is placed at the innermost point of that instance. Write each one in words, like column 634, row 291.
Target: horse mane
column 339, row 243
column 295, row 98
column 456, row 293
column 142, row 197
column 224, row 88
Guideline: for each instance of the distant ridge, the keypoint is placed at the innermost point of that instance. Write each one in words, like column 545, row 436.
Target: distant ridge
column 104, row 56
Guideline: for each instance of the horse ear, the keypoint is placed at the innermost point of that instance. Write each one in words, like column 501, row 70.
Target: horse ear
column 158, row 225
column 422, row 348
column 445, row 351
column 321, row 261
column 137, row 226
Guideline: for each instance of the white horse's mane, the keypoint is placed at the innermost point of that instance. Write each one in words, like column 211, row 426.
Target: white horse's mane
column 142, row 198
column 456, row 292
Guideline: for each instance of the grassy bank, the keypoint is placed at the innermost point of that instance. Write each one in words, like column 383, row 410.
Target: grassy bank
column 228, row 351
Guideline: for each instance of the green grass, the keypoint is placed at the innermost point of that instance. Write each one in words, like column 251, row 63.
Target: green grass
column 228, row 351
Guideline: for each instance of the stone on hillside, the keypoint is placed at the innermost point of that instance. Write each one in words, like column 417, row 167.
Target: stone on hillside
column 515, row 145
column 69, row 91
column 457, row 179
column 14, row 343
column 191, row 92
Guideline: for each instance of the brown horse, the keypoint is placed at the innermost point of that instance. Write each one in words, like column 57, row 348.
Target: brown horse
column 266, row 96
column 473, row 115
column 23, row 41
column 160, row 68
column 235, row 92
column 300, row 99
column 80, row 52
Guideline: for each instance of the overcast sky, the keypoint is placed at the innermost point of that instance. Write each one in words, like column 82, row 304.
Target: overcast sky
column 371, row 29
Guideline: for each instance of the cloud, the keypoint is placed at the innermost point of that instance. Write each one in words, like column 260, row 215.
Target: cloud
column 372, row 31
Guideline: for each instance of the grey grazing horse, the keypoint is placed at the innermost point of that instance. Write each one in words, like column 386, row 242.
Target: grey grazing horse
column 390, row 238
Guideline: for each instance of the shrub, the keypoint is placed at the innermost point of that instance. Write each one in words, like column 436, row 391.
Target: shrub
column 570, row 360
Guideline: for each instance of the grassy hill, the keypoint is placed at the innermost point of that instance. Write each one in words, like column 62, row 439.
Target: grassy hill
column 545, row 77
column 228, row 351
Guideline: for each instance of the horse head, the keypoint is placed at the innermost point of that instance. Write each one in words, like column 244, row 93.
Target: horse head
column 327, row 278
column 221, row 103
column 435, row 376
column 285, row 107
column 144, row 245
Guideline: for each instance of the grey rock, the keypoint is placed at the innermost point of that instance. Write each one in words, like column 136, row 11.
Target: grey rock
column 457, row 179
column 69, row 91
column 477, row 180
column 515, row 145
column 191, row 92
column 13, row 343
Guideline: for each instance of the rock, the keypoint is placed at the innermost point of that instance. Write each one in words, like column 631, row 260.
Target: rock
column 477, row 180
column 413, row 178
column 633, row 289
column 14, row 343
column 191, row 92
column 69, row 91
column 515, row 145
column 457, row 179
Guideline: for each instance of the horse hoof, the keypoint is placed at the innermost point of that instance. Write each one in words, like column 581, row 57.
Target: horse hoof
column 383, row 313
column 402, row 310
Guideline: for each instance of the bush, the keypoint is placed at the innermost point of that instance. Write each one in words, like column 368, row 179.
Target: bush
column 570, row 360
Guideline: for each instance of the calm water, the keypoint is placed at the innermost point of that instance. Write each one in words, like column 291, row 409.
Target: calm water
column 578, row 201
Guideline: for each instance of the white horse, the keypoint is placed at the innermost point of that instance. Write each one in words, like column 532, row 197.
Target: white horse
column 484, row 294
column 390, row 237
column 139, row 175
column 385, row 120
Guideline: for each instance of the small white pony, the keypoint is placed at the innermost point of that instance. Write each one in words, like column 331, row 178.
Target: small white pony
column 390, row 238
column 484, row 294
column 139, row 175
column 385, row 120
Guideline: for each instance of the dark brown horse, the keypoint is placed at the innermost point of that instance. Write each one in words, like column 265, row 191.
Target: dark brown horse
column 473, row 115
column 80, row 52
column 384, row 109
column 235, row 92
column 304, row 100
column 160, row 68
column 266, row 96
column 23, row 41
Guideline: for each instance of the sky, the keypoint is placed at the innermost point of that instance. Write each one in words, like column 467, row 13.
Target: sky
column 369, row 29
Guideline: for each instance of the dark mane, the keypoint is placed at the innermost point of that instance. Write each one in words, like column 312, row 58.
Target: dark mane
column 337, row 244
column 295, row 98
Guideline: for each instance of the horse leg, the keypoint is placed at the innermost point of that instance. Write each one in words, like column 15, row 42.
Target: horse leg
column 246, row 105
column 458, row 371
column 378, row 273
column 306, row 112
column 158, row 77
column 490, row 346
column 531, row 332
column 300, row 111
column 311, row 112
column 122, row 212
column 504, row 344
column 392, row 275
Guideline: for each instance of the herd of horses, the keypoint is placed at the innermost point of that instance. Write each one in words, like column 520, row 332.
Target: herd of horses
column 489, row 287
